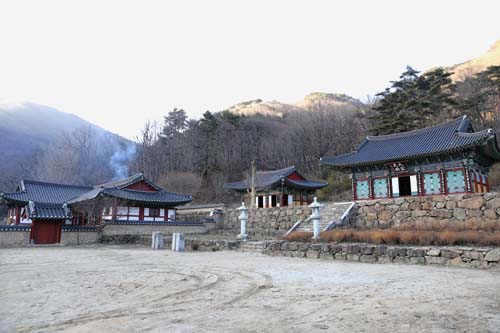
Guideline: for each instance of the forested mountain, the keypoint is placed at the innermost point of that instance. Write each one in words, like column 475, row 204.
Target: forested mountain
column 43, row 143
column 196, row 156
column 199, row 156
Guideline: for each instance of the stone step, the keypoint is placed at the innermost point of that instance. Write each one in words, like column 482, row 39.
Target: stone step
column 252, row 246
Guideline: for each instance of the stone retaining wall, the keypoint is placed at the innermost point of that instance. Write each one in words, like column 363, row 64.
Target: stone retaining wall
column 132, row 229
column 14, row 238
column 265, row 223
column 79, row 237
column 141, row 234
column 367, row 253
column 460, row 208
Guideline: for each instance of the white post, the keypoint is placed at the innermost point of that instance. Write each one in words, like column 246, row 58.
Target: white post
column 315, row 206
column 174, row 240
column 243, row 221
column 179, row 244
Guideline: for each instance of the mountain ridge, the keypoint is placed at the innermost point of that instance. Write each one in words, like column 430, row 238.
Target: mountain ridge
column 473, row 66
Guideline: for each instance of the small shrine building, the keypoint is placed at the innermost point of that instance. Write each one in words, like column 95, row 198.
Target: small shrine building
column 443, row 159
column 278, row 188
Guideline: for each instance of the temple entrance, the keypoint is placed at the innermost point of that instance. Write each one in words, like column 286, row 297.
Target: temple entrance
column 46, row 232
column 404, row 186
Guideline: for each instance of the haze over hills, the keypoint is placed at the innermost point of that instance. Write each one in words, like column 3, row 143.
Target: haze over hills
column 476, row 65
column 29, row 128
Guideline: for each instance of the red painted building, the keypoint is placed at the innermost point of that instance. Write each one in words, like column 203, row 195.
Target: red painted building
column 47, row 207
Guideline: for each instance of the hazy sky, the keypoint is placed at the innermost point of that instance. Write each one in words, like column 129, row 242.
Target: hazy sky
column 120, row 63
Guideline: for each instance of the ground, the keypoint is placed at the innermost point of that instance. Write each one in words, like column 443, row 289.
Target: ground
column 127, row 289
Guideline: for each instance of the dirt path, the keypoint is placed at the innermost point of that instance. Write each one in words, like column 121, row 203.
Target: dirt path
column 120, row 289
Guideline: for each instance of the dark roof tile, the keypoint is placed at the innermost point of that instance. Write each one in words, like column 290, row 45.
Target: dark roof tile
column 456, row 135
column 267, row 179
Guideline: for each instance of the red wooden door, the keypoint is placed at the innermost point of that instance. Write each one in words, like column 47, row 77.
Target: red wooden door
column 47, row 232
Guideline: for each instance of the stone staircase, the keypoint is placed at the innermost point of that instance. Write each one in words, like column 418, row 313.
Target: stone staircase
column 331, row 215
column 252, row 246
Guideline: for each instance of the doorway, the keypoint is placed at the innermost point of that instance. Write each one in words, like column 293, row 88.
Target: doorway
column 404, row 186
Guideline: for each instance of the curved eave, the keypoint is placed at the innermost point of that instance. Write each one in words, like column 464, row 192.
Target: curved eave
column 491, row 151
column 305, row 185
column 7, row 198
column 183, row 199
column 490, row 148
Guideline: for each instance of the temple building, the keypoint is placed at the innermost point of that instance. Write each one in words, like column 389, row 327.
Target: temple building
column 47, row 207
column 446, row 158
column 278, row 188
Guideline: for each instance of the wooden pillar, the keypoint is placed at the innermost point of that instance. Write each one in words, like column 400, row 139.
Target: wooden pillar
column 420, row 188
column 444, row 184
column 353, row 187
column 389, row 187
column 467, row 179
column 114, row 210
column 370, row 188
column 18, row 215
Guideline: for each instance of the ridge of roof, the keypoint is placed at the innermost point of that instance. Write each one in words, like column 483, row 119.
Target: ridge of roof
column 458, row 122
column 286, row 171
column 38, row 182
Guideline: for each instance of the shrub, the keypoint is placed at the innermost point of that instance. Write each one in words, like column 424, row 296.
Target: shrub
column 298, row 236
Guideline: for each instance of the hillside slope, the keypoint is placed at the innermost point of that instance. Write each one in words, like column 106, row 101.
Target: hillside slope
column 311, row 101
column 476, row 65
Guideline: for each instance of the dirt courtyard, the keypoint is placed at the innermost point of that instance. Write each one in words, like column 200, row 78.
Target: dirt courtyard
column 132, row 289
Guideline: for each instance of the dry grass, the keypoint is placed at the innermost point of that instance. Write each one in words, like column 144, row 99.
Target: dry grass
column 404, row 237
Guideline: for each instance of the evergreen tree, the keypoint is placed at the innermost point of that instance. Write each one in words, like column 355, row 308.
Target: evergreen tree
column 414, row 101
column 174, row 123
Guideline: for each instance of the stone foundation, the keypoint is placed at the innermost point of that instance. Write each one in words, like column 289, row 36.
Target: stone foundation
column 367, row 253
column 459, row 208
column 265, row 223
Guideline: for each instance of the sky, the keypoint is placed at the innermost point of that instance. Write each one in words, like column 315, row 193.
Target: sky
column 121, row 63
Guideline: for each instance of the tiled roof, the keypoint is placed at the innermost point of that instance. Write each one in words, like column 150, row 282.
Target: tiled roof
column 453, row 136
column 49, row 212
column 150, row 197
column 268, row 179
column 122, row 183
column 42, row 192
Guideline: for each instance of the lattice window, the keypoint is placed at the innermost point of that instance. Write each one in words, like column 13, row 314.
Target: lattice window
column 362, row 189
column 380, row 188
column 456, row 181
column 432, row 183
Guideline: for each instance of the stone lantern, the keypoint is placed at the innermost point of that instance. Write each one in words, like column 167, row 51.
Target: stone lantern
column 243, row 221
column 315, row 217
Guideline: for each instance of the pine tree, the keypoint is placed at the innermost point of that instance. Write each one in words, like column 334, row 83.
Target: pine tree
column 414, row 101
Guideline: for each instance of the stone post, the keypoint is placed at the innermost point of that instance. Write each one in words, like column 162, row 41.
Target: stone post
column 315, row 206
column 243, row 221
column 179, row 244
column 157, row 241
column 174, row 241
